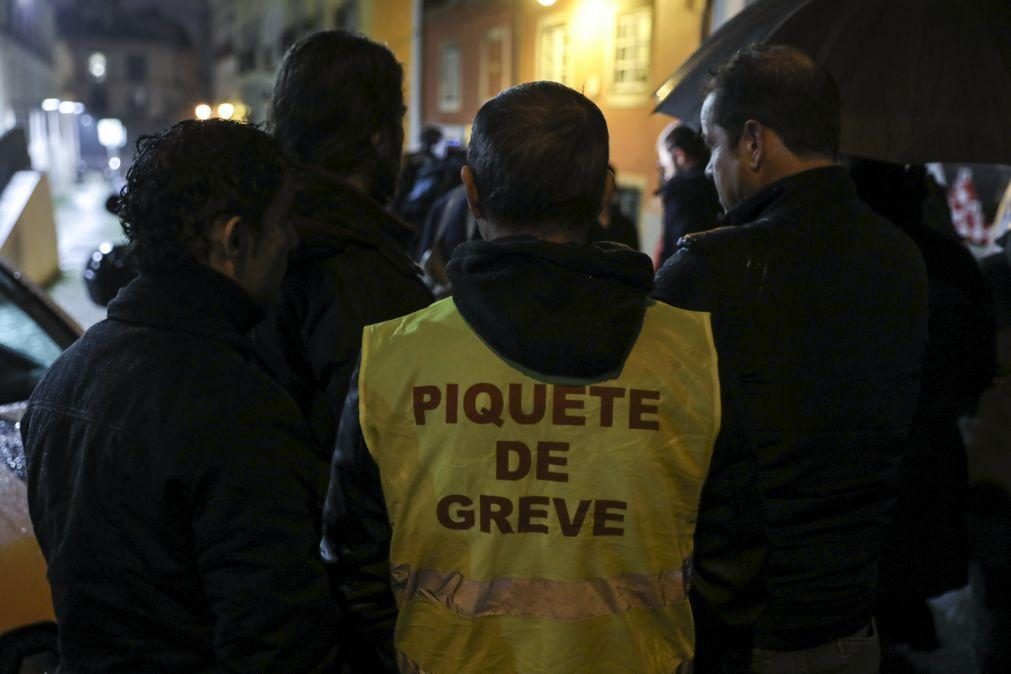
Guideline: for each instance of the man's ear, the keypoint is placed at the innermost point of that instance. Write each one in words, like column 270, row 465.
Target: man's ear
column 225, row 236
column 470, row 185
column 609, row 188
column 753, row 143
column 679, row 157
column 233, row 236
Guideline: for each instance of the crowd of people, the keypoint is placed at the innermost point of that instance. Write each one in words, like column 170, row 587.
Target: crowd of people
column 282, row 452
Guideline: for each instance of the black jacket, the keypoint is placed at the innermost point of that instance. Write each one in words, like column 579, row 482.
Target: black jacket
column 958, row 365
column 820, row 308
column 350, row 270
column 563, row 310
column 690, row 204
column 175, row 493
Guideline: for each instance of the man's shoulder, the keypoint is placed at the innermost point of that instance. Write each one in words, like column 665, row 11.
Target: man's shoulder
column 121, row 364
column 727, row 237
column 439, row 315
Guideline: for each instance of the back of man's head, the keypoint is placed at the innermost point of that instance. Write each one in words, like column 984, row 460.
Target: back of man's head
column 539, row 154
column 690, row 142
column 185, row 178
column 785, row 90
column 335, row 93
column 430, row 137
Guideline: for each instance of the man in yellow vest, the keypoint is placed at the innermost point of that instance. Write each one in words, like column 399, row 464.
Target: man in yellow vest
column 541, row 438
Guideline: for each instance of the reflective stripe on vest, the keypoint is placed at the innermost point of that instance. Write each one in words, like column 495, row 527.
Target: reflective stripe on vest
column 539, row 525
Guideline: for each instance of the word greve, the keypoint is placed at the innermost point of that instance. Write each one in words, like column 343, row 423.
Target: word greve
column 486, row 403
column 547, row 462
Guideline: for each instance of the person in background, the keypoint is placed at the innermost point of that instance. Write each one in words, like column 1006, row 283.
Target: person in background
column 171, row 480
column 819, row 310
column 413, row 164
column 518, row 454
column 690, row 202
column 926, row 553
column 338, row 109
column 613, row 225
column 988, row 444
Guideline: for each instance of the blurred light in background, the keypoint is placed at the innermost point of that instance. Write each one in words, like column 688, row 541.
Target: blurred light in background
column 51, row 104
column 203, row 111
column 111, row 133
column 97, row 65
column 226, row 110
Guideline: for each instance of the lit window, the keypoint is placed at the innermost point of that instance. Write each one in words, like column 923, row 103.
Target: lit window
column 631, row 51
column 450, row 95
column 553, row 61
column 97, row 66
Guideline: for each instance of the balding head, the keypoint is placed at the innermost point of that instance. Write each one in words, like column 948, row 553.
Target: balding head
column 538, row 159
column 785, row 90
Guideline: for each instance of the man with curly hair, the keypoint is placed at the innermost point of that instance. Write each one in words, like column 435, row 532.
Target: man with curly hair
column 172, row 483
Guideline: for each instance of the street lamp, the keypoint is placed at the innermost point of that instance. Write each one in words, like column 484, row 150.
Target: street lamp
column 112, row 136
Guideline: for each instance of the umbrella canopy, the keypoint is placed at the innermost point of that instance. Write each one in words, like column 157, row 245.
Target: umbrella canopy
column 921, row 80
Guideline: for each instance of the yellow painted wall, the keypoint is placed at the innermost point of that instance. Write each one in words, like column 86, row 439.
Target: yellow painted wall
column 390, row 22
column 677, row 27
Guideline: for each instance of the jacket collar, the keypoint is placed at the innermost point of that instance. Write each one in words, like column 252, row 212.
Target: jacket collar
column 563, row 310
column 833, row 182
column 331, row 212
column 194, row 299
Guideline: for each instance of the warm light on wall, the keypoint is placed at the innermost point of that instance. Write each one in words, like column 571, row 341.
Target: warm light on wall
column 591, row 16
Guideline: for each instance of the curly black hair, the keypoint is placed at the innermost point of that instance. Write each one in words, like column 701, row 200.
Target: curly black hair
column 186, row 177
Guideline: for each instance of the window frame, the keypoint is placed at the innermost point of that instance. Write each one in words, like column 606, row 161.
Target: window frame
column 550, row 23
column 449, row 85
column 630, row 93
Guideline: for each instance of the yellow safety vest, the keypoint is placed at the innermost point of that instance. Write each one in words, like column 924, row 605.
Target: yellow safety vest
column 539, row 525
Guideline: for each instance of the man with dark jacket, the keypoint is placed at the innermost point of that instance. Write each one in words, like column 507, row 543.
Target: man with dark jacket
column 926, row 554
column 172, row 484
column 338, row 107
column 819, row 308
column 526, row 459
column 690, row 202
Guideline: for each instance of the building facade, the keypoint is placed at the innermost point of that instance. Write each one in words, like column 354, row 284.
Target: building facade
column 617, row 52
column 27, row 73
column 133, row 65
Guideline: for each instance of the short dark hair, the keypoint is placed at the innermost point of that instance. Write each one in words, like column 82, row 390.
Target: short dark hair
column 689, row 141
column 333, row 92
column 189, row 175
column 784, row 89
column 539, row 154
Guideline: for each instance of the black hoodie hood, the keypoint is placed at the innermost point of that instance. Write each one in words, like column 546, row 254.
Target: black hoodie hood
column 563, row 310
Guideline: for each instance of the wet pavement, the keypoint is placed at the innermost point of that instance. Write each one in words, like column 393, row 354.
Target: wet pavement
column 82, row 224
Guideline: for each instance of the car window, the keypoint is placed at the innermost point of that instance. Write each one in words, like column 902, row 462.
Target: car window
column 26, row 352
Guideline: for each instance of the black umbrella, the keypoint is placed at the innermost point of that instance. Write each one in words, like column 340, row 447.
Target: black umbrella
column 921, row 80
